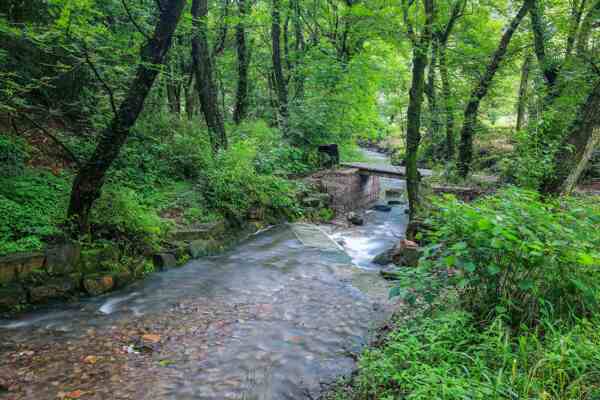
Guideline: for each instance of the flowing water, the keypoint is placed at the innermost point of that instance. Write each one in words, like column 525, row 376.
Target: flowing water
column 273, row 318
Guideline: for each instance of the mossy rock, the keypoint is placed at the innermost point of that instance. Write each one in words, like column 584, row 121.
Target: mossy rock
column 12, row 296
column 199, row 248
column 55, row 288
column 96, row 285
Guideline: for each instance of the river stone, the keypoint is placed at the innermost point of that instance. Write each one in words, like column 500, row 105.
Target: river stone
column 395, row 202
column 12, row 295
column 382, row 207
column 356, row 218
column 63, row 258
column 97, row 285
column 52, row 289
column 404, row 253
column 164, row 261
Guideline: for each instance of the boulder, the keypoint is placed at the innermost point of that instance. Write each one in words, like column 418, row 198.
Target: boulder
column 404, row 253
column 63, row 258
column 164, row 261
column 356, row 218
column 122, row 278
column 97, row 285
column 53, row 289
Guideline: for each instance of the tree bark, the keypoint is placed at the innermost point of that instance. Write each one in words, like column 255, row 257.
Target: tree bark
column 549, row 68
column 570, row 159
column 205, row 79
column 299, row 48
column 241, row 98
column 279, row 78
column 576, row 13
column 433, row 126
column 470, row 116
column 88, row 183
column 522, row 101
column 173, row 92
column 586, row 28
column 444, row 36
column 413, row 131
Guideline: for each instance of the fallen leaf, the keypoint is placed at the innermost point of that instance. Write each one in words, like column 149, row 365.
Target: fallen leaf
column 151, row 338
column 90, row 360
column 75, row 394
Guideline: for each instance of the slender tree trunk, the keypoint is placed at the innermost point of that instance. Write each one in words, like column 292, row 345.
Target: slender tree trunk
column 300, row 46
column 448, row 104
column 241, row 98
column 433, row 125
column 173, row 92
column 279, row 78
column 593, row 16
column 576, row 12
column 575, row 149
column 413, row 131
column 549, row 68
column 88, row 183
column 522, row 101
column 191, row 98
column 205, row 79
column 471, row 111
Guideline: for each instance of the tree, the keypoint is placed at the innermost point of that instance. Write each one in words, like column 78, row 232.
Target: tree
column 205, row 80
column 420, row 43
column 88, row 183
column 481, row 89
column 280, row 82
column 243, row 59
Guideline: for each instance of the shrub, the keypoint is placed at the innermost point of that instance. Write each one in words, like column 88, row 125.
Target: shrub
column 119, row 214
column 32, row 207
column 12, row 156
column 233, row 186
column 518, row 256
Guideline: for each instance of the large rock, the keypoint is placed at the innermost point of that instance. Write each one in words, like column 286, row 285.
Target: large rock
column 56, row 288
column 164, row 261
column 404, row 253
column 97, row 285
column 20, row 265
column 92, row 260
column 63, row 258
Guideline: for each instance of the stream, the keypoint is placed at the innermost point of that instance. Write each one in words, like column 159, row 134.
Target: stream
column 269, row 319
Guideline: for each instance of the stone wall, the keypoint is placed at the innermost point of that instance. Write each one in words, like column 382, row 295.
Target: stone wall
column 348, row 189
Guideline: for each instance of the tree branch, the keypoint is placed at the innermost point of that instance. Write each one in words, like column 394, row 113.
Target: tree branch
column 109, row 91
column 67, row 151
column 139, row 28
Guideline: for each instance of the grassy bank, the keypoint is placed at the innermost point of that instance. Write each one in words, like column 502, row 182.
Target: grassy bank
column 508, row 288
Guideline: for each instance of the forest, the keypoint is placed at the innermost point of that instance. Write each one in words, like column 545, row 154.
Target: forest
column 124, row 121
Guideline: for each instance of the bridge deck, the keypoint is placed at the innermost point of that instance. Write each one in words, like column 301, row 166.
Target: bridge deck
column 386, row 171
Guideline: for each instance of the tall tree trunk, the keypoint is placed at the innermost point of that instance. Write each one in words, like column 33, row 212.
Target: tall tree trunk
column 575, row 147
column 576, row 12
column 470, row 116
column 173, row 92
column 241, row 98
column 205, row 79
column 448, row 104
column 88, row 183
column 279, row 78
column 549, row 68
column 299, row 48
column 522, row 101
column 413, row 130
column 191, row 98
column 433, row 125
column 586, row 28
column 443, row 37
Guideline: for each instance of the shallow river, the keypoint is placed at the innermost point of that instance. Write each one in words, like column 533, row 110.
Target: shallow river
column 270, row 319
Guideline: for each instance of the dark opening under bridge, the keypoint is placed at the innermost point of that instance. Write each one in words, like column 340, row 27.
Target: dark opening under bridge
column 385, row 171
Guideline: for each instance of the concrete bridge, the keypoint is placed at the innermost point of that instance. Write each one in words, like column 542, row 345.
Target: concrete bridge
column 384, row 171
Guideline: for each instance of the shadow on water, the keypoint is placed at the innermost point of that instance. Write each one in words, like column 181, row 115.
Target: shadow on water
column 270, row 319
